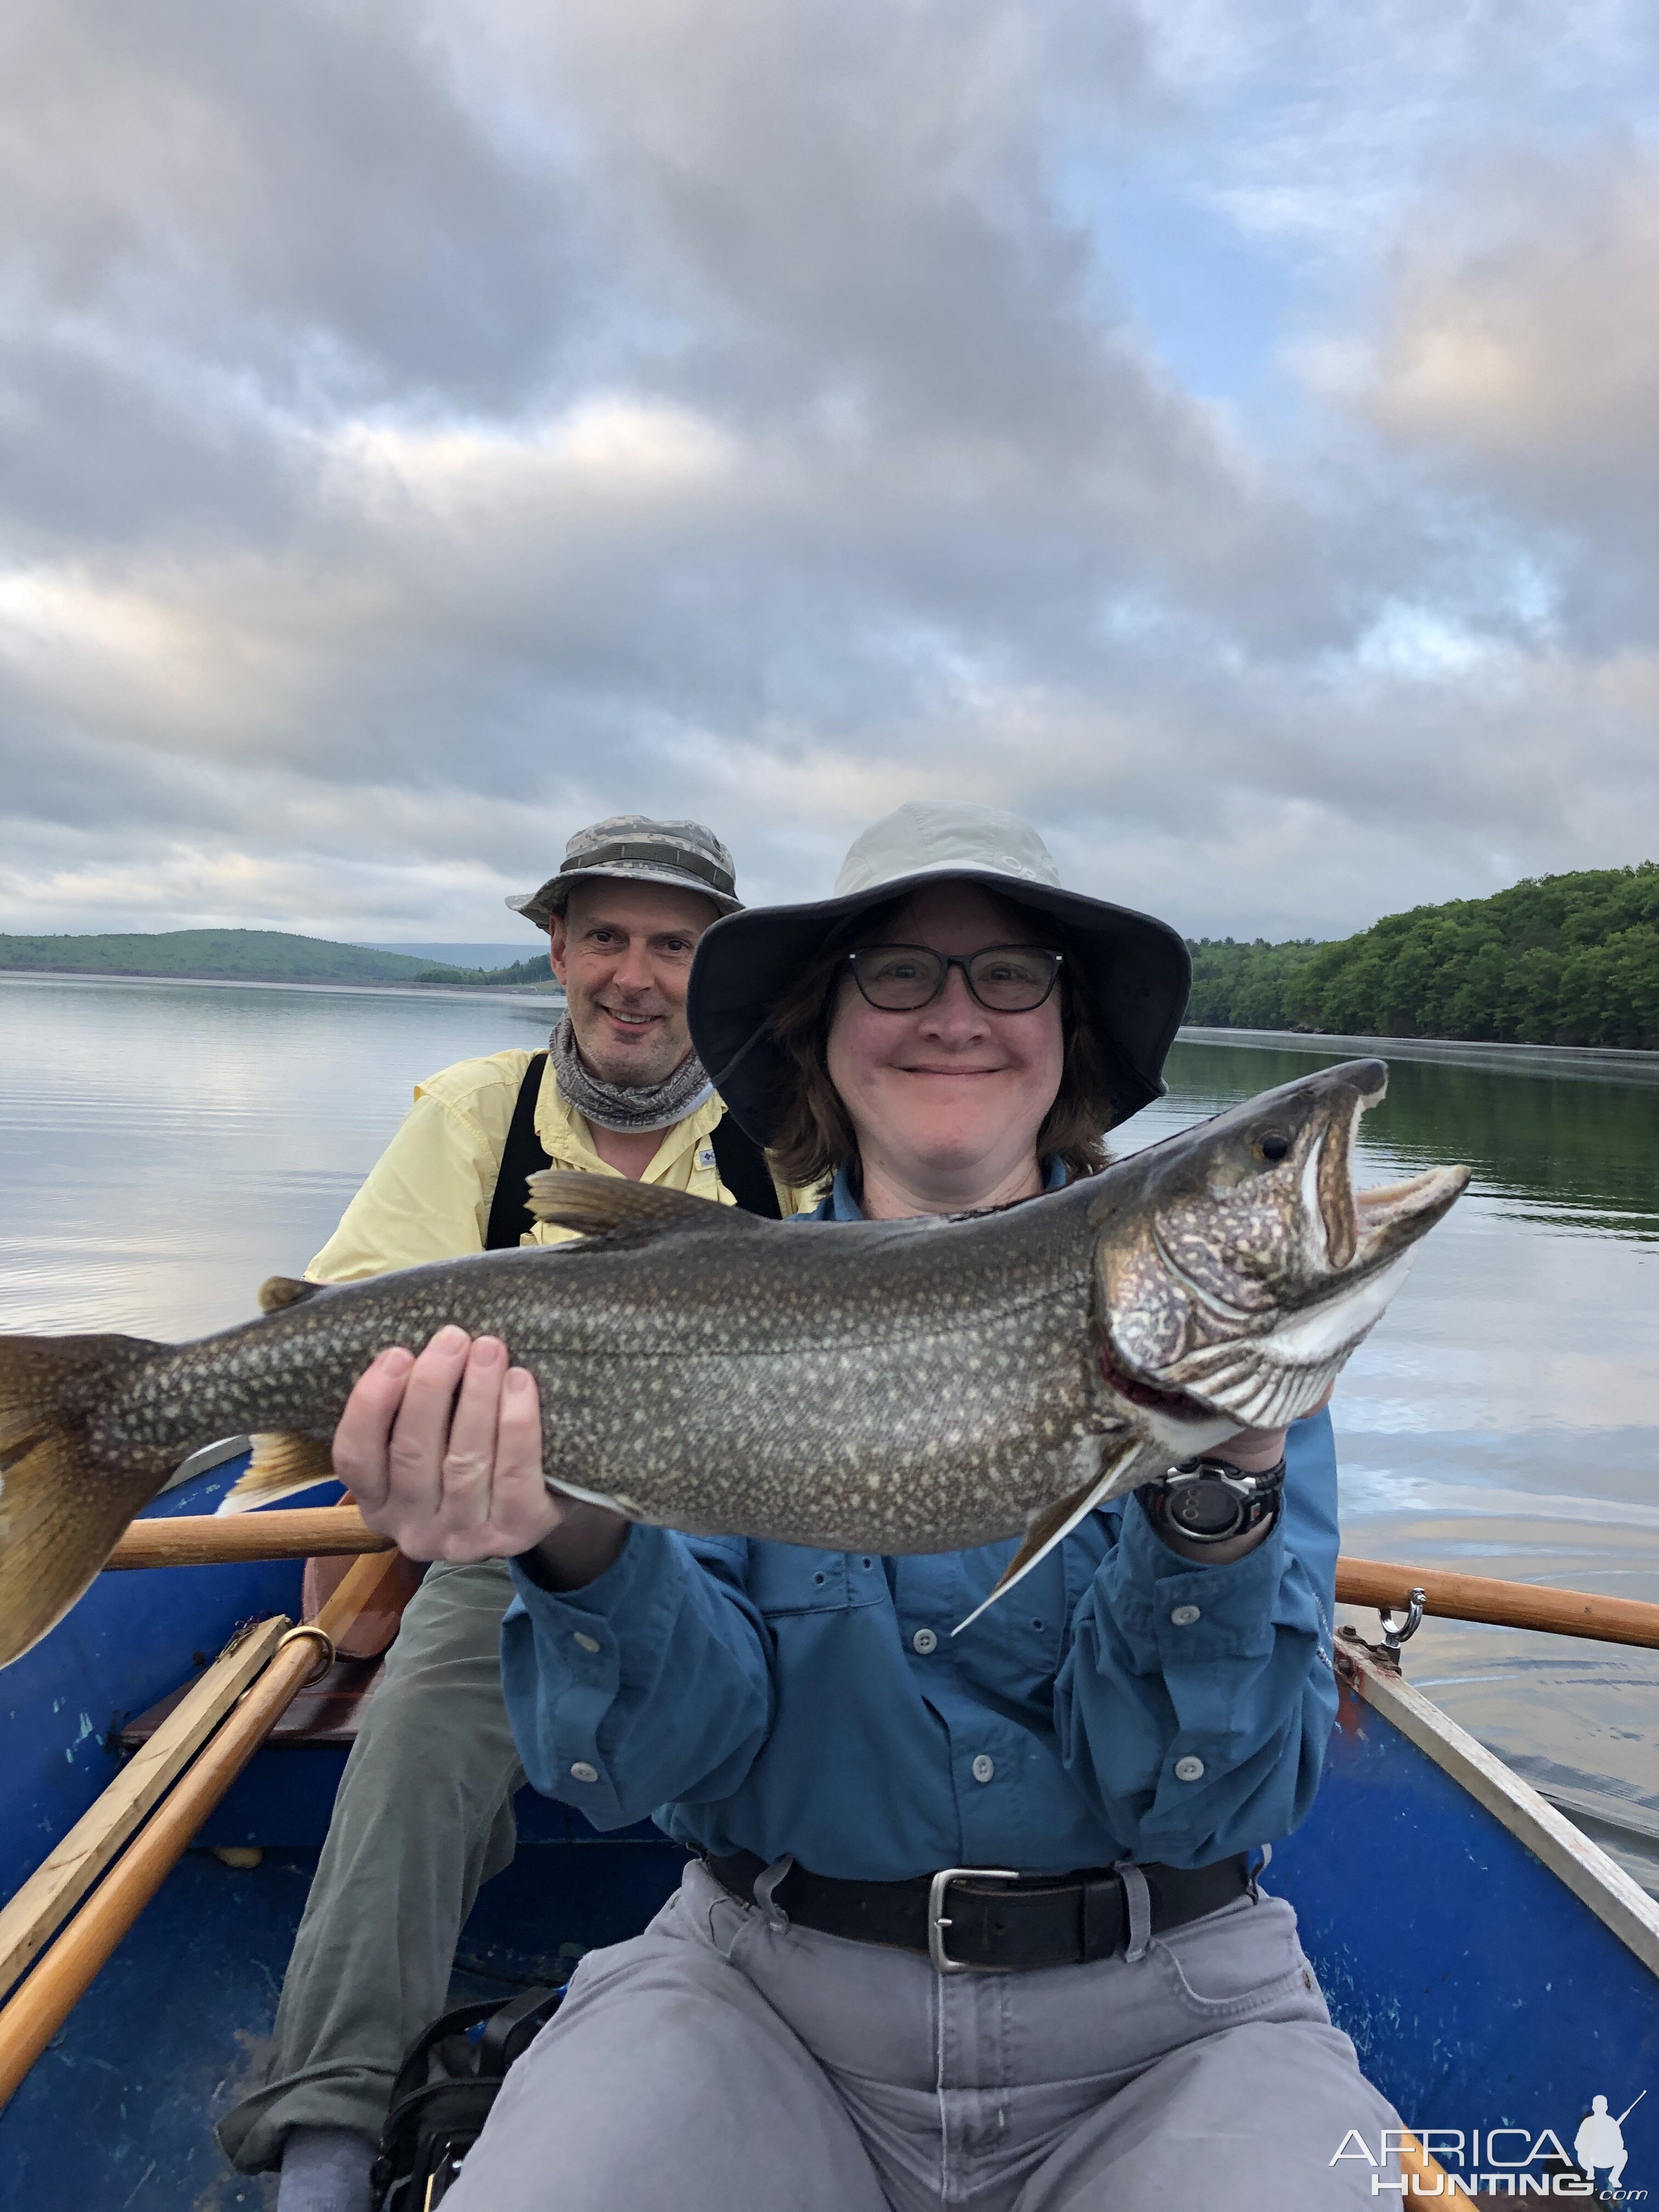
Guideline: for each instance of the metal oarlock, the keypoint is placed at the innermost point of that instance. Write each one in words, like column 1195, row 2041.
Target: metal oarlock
column 326, row 1653
column 1394, row 1633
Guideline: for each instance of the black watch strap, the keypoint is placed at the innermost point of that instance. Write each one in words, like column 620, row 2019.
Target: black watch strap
column 1208, row 1500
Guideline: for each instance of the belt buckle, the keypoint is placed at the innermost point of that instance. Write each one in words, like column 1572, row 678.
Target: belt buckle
column 943, row 1963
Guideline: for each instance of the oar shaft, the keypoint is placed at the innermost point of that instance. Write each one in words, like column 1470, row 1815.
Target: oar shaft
column 64, row 1973
column 1505, row 1605
column 200, row 1540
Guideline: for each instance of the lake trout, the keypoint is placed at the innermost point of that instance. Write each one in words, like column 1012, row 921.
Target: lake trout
column 892, row 1387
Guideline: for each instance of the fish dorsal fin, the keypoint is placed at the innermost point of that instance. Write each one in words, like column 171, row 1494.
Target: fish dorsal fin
column 1050, row 1527
column 277, row 1292
column 612, row 1207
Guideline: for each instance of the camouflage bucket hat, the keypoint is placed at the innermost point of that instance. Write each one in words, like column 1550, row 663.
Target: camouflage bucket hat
column 685, row 855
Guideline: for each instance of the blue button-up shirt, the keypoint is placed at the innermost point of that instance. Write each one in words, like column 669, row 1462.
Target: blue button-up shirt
column 1119, row 1702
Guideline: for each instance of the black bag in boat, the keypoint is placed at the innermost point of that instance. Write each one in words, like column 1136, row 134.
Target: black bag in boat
column 443, row 2093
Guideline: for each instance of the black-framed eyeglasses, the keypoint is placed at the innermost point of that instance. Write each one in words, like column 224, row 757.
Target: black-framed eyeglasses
column 1005, row 979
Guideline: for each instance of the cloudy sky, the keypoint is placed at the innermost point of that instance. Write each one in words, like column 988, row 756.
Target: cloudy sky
column 1226, row 431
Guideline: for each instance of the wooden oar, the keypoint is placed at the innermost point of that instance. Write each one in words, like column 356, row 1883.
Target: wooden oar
column 56, row 1886
column 39, row 2008
column 199, row 1539
column 311, row 1532
column 1506, row 1605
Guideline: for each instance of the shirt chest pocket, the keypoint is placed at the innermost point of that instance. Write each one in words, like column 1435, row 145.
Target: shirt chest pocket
column 1018, row 1646
column 785, row 1579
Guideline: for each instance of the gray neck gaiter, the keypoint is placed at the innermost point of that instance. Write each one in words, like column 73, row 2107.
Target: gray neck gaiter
column 632, row 1113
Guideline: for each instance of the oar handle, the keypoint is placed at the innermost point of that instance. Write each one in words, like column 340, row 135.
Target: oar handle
column 1506, row 1605
column 201, row 1539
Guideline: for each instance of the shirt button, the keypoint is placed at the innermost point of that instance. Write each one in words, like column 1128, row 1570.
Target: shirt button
column 1189, row 1769
column 581, row 1772
column 984, row 1767
column 587, row 1642
column 1183, row 1616
column 924, row 1641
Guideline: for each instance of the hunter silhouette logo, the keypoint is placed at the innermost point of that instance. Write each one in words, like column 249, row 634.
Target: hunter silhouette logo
column 1599, row 2140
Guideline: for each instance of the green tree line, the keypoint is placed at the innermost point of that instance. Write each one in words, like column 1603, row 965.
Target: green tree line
column 1570, row 959
column 533, row 970
column 256, row 956
column 247, row 956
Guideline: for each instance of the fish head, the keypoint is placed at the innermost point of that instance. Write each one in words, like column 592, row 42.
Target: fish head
column 1238, row 1272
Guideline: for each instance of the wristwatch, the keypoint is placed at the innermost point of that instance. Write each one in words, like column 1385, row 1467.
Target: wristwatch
column 1207, row 1500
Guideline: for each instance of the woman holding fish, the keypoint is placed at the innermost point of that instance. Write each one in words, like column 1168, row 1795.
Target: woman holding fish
column 974, row 1916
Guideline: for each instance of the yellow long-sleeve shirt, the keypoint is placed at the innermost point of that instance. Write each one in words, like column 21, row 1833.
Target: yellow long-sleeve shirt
column 427, row 1197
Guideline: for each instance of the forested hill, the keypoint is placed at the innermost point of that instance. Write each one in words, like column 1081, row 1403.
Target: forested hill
column 242, row 956
column 1558, row 960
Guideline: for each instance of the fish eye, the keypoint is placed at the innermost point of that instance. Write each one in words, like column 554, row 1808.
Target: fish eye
column 1273, row 1146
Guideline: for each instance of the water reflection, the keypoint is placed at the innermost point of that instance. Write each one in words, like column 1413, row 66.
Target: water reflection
column 167, row 1146
column 1572, row 1143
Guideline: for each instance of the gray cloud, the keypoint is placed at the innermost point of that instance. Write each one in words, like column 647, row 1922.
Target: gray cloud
column 424, row 431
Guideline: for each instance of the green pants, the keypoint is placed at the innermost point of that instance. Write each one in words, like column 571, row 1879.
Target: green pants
column 423, row 1816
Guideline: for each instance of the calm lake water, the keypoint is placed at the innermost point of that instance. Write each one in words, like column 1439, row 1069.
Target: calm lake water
column 163, row 1147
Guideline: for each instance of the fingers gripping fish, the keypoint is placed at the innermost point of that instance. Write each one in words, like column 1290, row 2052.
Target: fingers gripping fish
column 896, row 1387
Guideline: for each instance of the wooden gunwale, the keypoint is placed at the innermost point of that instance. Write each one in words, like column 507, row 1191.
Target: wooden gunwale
column 58, row 1885
column 63, row 1974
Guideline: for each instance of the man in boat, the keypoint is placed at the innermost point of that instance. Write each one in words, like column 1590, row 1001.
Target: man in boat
column 424, row 1812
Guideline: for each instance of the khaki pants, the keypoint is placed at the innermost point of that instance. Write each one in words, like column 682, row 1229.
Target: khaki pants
column 425, row 1815
column 724, row 2062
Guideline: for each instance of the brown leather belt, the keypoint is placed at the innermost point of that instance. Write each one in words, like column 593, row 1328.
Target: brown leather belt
column 996, row 1920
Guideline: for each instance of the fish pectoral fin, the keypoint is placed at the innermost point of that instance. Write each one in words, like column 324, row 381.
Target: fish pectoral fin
column 277, row 1292
column 1050, row 1527
column 284, row 1462
column 612, row 1207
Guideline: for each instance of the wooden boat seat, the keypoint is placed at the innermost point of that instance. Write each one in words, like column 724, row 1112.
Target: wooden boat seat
column 327, row 1713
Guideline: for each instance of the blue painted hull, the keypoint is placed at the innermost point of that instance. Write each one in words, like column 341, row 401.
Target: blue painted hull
column 1480, row 1991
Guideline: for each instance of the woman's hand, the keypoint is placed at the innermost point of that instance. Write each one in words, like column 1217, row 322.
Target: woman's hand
column 1257, row 1451
column 443, row 1454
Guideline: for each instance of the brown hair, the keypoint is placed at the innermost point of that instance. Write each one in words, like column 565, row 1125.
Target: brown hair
column 812, row 1138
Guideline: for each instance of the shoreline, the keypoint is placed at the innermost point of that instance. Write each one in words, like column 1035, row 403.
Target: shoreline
column 484, row 994
column 1576, row 1062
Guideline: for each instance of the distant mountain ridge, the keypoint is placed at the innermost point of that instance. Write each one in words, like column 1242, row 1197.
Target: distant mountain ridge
column 251, row 956
column 465, row 956
column 1570, row 959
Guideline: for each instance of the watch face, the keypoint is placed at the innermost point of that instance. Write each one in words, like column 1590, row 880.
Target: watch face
column 1206, row 1509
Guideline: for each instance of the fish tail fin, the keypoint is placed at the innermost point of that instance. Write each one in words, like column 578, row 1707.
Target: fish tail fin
column 285, row 1461
column 61, row 1508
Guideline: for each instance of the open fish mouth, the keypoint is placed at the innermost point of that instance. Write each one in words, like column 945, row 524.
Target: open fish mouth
column 1382, row 1213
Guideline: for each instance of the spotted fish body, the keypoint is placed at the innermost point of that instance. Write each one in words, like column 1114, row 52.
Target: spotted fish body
column 892, row 1387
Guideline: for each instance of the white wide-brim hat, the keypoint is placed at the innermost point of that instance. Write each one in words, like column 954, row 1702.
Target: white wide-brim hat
column 1136, row 970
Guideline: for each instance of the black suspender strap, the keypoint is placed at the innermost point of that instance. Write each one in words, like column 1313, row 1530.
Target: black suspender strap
column 521, row 1157
column 739, row 1160
column 744, row 1170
